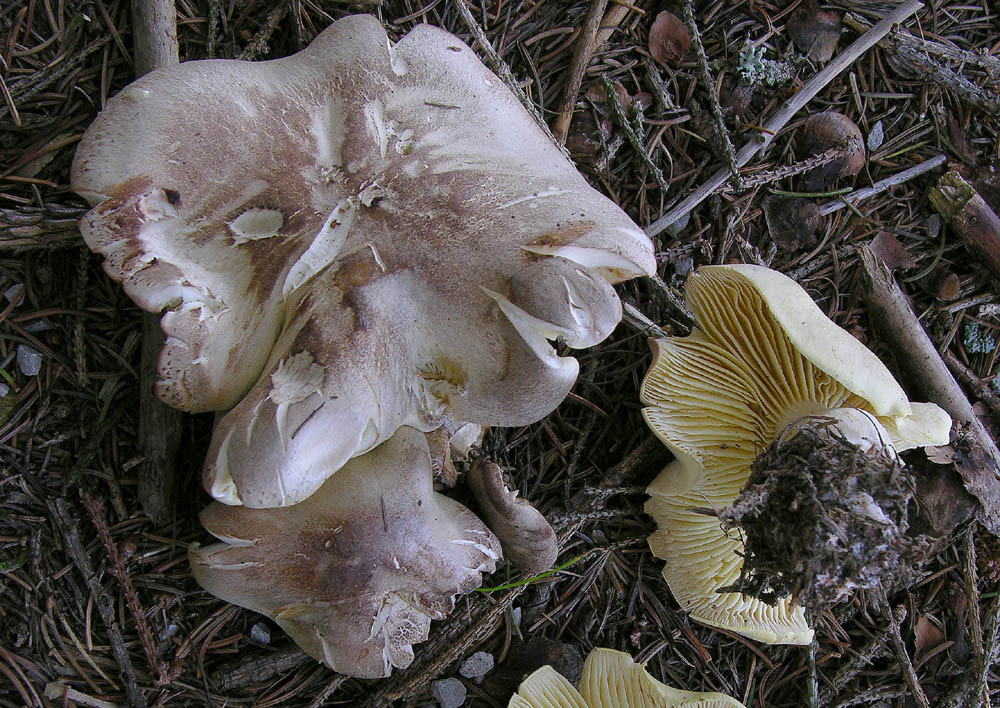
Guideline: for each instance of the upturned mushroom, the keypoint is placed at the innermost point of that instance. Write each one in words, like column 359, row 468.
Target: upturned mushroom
column 762, row 357
column 356, row 572
column 358, row 237
column 611, row 679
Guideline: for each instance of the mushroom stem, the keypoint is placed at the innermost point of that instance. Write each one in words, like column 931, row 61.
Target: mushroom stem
column 527, row 539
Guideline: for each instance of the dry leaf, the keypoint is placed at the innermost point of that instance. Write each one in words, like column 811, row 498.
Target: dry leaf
column 944, row 502
column 669, row 39
column 792, row 221
column 940, row 282
column 889, row 249
column 927, row 635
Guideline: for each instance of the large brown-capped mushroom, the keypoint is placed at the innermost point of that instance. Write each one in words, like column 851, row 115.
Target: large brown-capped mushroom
column 360, row 236
column 356, row 572
column 611, row 679
column 761, row 357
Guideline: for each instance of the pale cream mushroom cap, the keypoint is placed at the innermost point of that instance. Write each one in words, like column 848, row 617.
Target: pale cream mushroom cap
column 356, row 572
column 611, row 679
column 357, row 237
column 762, row 355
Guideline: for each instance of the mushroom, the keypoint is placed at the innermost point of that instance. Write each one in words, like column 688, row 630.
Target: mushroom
column 761, row 357
column 361, row 236
column 611, row 679
column 356, row 572
column 528, row 540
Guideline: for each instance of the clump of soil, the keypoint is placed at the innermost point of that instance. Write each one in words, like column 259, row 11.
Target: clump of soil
column 820, row 518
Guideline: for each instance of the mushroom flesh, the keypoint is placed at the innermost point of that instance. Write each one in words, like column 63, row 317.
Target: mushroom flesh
column 358, row 237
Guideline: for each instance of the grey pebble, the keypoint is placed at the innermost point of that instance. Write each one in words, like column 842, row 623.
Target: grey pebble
column 449, row 692
column 29, row 361
column 476, row 666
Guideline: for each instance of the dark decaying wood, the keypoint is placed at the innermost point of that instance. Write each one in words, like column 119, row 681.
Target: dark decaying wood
column 155, row 28
column 971, row 217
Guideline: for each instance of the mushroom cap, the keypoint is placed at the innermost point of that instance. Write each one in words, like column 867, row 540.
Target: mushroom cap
column 357, row 237
column 762, row 355
column 611, row 679
column 356, row 572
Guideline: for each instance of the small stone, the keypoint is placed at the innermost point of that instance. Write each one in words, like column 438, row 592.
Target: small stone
column 260, row 633
column 28, row 360
column 14, row 292
column 449, row 692
column 476, row 666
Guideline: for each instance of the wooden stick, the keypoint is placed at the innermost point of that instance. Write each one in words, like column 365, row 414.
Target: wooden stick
column 882, row 185
column 586, row 45
column 892, row 315
column 962, row 207
column 154, row 25
column 787, row 111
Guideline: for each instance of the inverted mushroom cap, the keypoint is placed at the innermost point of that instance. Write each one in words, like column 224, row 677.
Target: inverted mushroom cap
column 354, row 238
column 762, row 356
column 611, row 679
column 356, row 572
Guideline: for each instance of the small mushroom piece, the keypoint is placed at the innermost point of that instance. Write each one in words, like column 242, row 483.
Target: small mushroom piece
column 356, row 572
column 611, row 679
column 360, row 236
column 761, row 357
column 528, row 540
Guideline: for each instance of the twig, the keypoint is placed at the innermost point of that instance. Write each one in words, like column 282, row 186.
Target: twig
column 916, row 51
column 890, row 311
column 622, row 120
column 971, row 381
column 971, row 217
column 788, row 110
column 705, row 74
column 30, row 228
column 155, row 30
column 812, row 685
column 242, row 673
column 896, row 615
column 165, row 673
column 257, row 47
column 154, row 27
column 328, row 690
column 882, row 185
column 633, row 317
column 749, row 180
column 59, row 510
column 502, row 70
column 586, row 45
column 850, row 668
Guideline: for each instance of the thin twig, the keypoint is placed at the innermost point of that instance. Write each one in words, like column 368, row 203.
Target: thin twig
column 882, row 185
column 165, row 674
column 705, row 74
column 787, row 111
column 897, row 615
column 634, row 317
column 586, row 45
column 257, row 47
column 500, row 67
column 622, row 120
column 105, row 604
